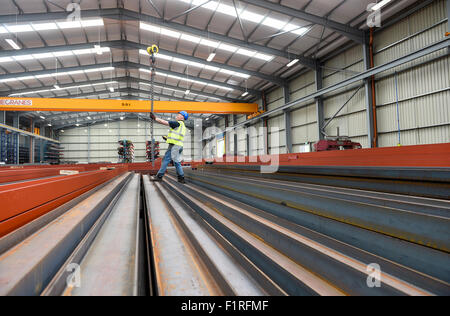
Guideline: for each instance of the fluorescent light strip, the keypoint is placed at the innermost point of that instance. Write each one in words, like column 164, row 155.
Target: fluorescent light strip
column 53, row 54
column 379, row 5
column 13, row 44
column 58, row 74
column 198, row 65
column 246, row 15
column 31, row 27
column 205, row 42
column 292, row 63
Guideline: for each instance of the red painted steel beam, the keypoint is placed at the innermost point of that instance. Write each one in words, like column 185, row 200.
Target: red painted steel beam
column 436, row 155
column 24, row 202
column 13, row 175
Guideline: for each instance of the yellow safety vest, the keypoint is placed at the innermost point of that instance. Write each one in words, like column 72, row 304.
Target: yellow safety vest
column 176, row 136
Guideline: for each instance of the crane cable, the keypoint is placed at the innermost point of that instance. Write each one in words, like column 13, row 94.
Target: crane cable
column 153, row 50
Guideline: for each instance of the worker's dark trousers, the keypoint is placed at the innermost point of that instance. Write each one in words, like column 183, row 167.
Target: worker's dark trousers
column 173, row 153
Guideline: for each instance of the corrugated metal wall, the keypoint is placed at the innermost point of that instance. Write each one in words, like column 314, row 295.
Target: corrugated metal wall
column 423, row 91
column 102, row 144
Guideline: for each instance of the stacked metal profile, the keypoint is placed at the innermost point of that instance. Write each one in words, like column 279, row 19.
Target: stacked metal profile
column 234, row 231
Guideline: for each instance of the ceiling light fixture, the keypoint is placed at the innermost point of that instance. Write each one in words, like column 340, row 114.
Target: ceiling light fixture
column 379, row 5
column 111, row 89
column 292, row 63
column 245, row 94
column 42, row 117
column 211, row 57
column 13, row 44
column 57, row 87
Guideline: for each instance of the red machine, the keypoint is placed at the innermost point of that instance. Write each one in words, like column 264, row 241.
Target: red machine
column 336, row 143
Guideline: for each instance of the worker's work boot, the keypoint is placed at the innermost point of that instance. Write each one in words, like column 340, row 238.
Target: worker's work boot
column 181, row 180
column 156, row 179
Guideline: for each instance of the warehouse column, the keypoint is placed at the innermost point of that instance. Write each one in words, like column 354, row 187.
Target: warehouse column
column 17, row 136
column 247, row 130
column 369, row 97
column 287, row 120
column 226, row 135
column 32, row 142
column 235, row 136
column 319, row 102
column 89, row 145
column 3, row 117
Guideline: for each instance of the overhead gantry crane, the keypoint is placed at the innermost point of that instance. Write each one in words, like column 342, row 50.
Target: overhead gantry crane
column 91, row 105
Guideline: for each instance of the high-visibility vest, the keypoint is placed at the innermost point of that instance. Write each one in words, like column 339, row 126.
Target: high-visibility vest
column 176, row 136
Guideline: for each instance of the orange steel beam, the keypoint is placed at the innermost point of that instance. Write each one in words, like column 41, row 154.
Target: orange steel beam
column 91, row 105
column 24, row 202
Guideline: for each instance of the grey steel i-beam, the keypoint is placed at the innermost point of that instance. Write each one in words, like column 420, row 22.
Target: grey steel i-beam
column 287, row 120
column 319, row 103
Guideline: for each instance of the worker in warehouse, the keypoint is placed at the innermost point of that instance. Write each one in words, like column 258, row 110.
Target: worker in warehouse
column 175, row 140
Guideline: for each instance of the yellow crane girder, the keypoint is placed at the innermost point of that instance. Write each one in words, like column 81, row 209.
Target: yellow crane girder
column 95, row 105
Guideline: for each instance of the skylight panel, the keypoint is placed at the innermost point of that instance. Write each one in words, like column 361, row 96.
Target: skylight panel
column 212, row 68
column 44, row 26
column 190, row 38
column 43, row 56
column 246, row 52
column 228, row 48
column 5, row 59
column 209, row 43
column 264, row 57
column 252, row 17
column 69, row 24
column 63, row 53
column 277, row 24
column 91, row 23
column 170, row 33
column 23, row 57
column 19, row 28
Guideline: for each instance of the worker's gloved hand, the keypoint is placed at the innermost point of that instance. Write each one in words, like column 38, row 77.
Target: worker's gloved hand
column 165, row 138
column 153, row 116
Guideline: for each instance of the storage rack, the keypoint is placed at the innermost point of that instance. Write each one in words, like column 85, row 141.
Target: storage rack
column 126, row 151
column 8, row 146
column 24, row 155
column 3, row 146
column 53, row 153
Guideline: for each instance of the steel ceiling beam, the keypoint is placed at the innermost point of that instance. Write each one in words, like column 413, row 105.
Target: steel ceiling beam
column 121, row 79
column 128, row 45
column 128, row 15
column 128, row 65
column 123, row 90
column 346, row 30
